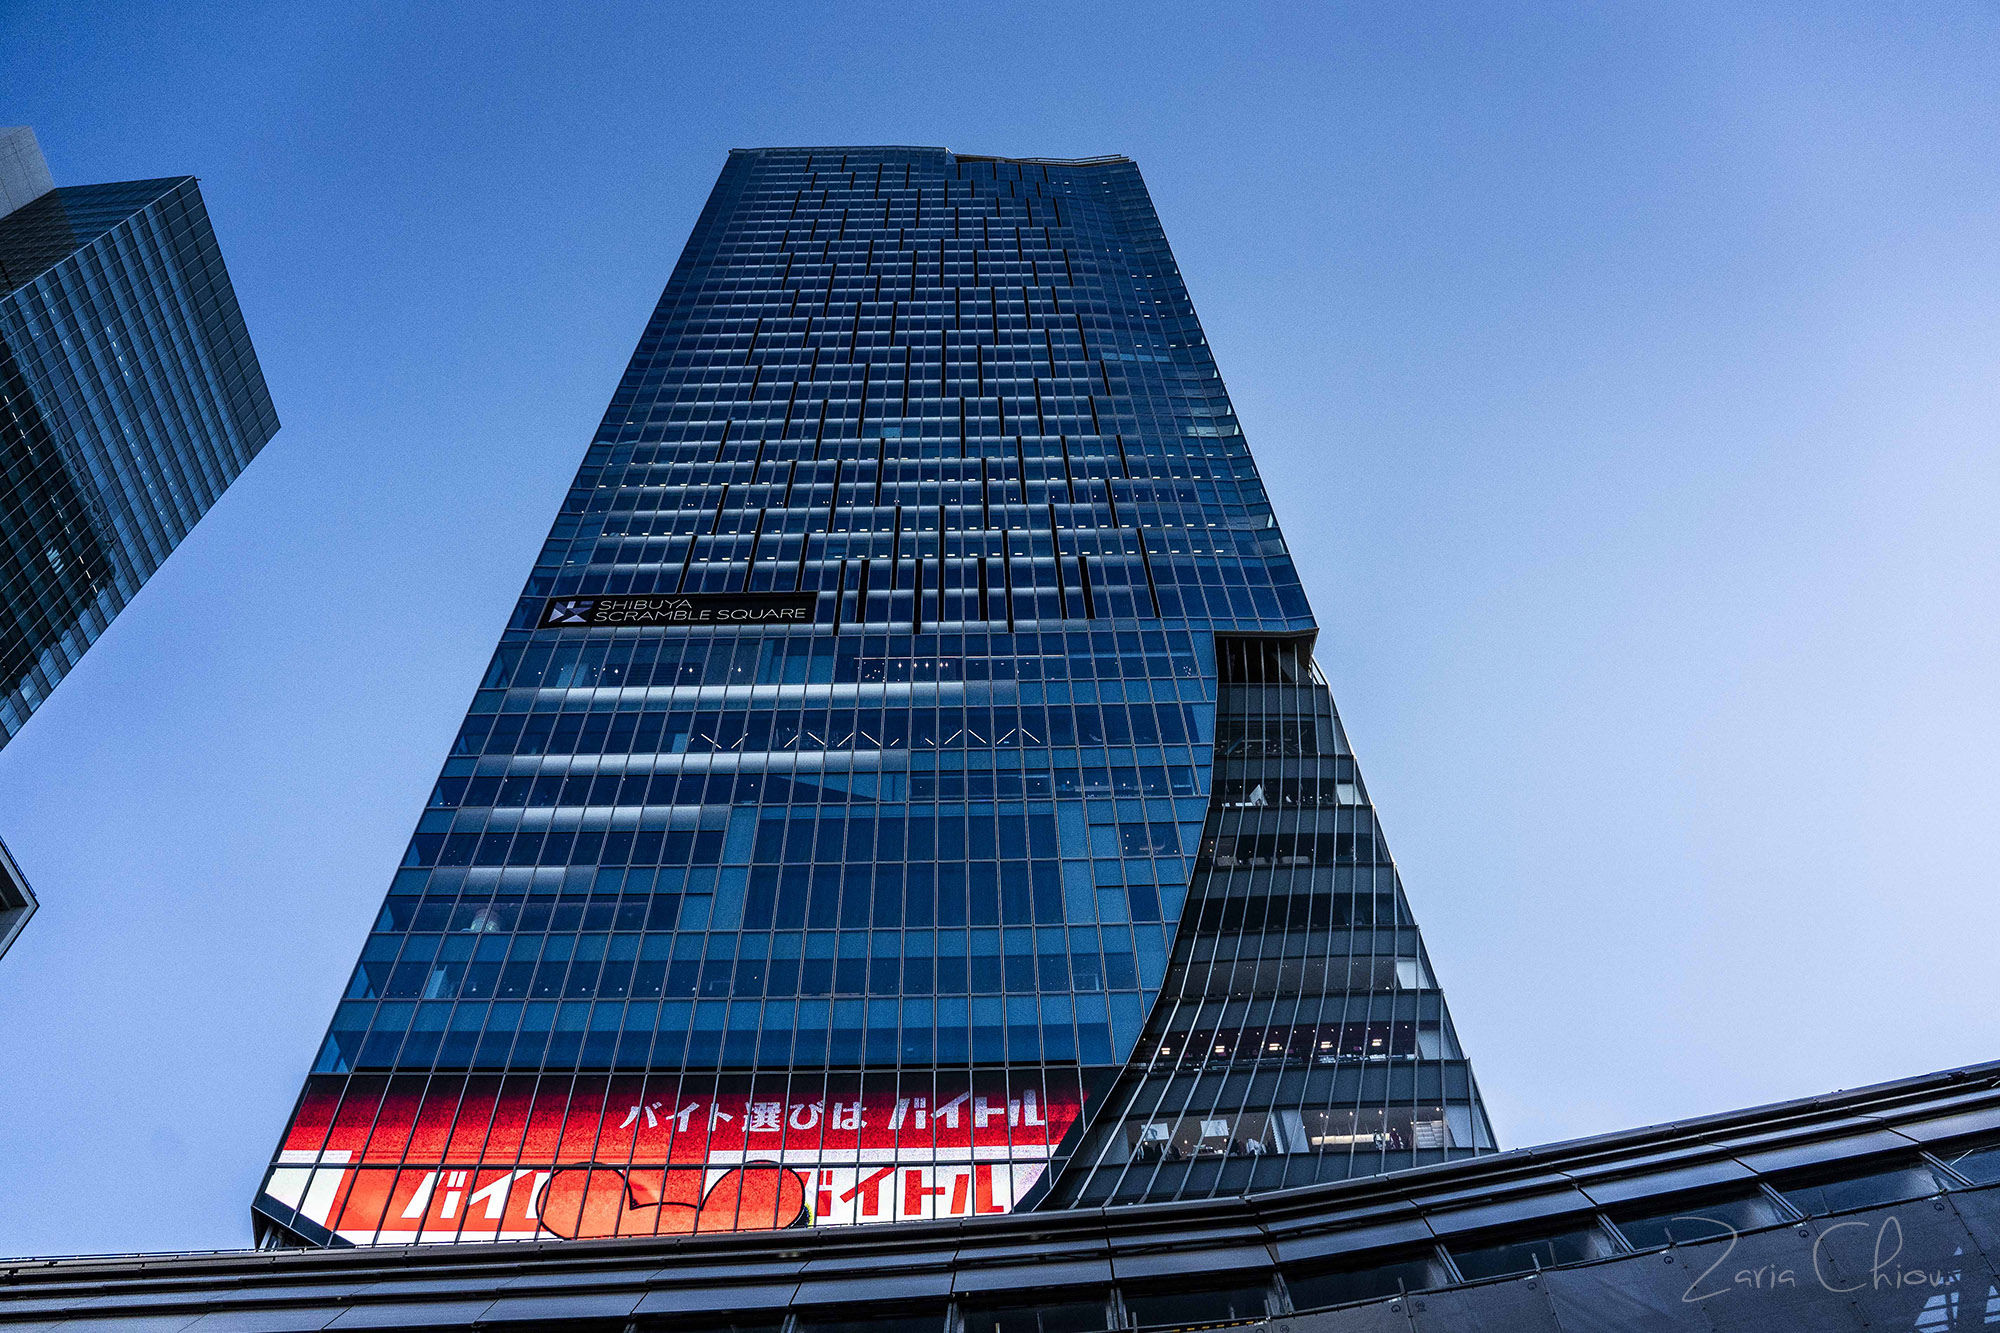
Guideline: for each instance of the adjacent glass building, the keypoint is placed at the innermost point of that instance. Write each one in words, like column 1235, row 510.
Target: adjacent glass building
column 130, row 397
column 17, row 900
column 904, row 789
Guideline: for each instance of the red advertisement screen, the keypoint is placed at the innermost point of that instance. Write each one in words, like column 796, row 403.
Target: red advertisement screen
column 395, row 1159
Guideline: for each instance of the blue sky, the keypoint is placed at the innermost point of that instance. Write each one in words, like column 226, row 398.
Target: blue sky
column 1625, row 378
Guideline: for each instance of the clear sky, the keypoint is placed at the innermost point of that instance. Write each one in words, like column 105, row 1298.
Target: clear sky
column 1625, row 378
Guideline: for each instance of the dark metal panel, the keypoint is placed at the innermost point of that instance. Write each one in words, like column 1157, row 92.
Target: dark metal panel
column 883, row 1257
column 411, row 1314
column 1635, row 1294
column 1032, row 1277
column 1816, row 1150
column 286, row 1319
column 756, row 1268
column 137, row 1323
column 277, row 1294
column 1619, row 1189
column 451, row 1287
column 56, row 1307
column 581, row 1305
column 1489, row 1189
column 1980, row 1120
column 1760, row 1282
column 1898, row 1259
column 1176, row 1228
column 1407, row 1231
column 1379, row 1317
column 1513, row 1306
column 522, row 1284
column 1979, row 1212
column 1072, row 1249
column 874, row 1286
column 1568, row 1201
column 84, row 1302
column 1608, row 1159
column 711, row 1300
column 1191, row 1263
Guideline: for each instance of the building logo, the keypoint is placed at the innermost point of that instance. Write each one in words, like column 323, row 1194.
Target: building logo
column 691, row 609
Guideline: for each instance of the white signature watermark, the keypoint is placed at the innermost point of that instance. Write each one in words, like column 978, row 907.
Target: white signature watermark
column 1884, row 1271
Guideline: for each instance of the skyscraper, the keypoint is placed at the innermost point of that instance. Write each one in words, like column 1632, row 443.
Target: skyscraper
column 904, row 789
column 130, row 397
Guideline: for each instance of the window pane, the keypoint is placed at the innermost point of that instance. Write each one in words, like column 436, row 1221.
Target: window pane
column 1171, row 1308
column 1980, row 1165
column 1526, row 1255
column 1312, row 1291
column 1911, row 1181
column 1693, row 1218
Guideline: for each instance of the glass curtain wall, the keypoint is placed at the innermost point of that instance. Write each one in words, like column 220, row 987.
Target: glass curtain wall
column 130, row 398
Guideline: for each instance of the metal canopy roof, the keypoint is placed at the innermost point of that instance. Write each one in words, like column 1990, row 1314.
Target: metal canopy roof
column 1025, row 1255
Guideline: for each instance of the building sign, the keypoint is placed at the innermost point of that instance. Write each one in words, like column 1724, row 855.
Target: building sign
column 393, row 1160
column 701, row 608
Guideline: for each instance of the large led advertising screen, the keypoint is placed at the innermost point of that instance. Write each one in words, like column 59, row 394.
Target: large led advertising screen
column 396, row 1159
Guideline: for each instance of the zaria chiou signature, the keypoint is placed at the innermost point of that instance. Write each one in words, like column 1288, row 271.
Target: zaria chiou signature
column 1830, row 1263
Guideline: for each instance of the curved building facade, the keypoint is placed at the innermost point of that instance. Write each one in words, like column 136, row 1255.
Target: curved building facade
column 903, row 790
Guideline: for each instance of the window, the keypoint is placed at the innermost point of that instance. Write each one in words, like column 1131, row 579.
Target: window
column 1816, row 1194
column 1979, row 1163
column 1528, row 1253
column 1313, row 1290
column 1689, row 1218
column 1174, row 1307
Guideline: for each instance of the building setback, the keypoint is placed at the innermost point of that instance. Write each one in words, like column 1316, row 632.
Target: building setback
column 904, row 790
column 130, row 397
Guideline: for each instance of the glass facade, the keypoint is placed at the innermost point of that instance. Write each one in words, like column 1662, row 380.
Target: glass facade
column 906, row 744
column 130, row 397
